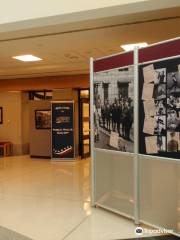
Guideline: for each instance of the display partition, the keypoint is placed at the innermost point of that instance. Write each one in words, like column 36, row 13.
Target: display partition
column 114, row 128
column 138, row 179
column 159, row 134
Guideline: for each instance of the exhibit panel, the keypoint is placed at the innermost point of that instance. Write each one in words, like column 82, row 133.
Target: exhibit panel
column 62, row 130
column 112, row 122
column 136, row 168
column 113, row 109
column 159, row 135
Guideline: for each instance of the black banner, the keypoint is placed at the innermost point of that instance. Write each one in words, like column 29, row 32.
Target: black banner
column 62, row 130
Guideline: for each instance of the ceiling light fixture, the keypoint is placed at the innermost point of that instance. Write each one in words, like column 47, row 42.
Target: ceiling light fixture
column 27, row 58
column 130, row 47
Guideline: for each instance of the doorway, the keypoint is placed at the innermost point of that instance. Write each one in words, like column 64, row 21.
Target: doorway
column 84, row 123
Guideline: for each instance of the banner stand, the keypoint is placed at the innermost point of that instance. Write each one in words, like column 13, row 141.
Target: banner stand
column 62, row 132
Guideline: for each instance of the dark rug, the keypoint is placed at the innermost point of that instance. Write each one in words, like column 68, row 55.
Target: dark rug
column 6, row 234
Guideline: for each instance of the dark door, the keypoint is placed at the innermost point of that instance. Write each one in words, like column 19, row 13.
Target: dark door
column 84, row 127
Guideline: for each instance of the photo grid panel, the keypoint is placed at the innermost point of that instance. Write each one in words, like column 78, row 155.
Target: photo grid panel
column 160, row 108
column 173, row 112
column 114, row 110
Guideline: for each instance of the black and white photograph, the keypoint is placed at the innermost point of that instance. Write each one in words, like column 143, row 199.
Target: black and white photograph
column 113, row 110
column 160, row 125
column 43, row 119
column 173, row 84
column 161, row 76
column 173, row 142
column 159, row 91
column 171, row 103
column 161, row 143
column 173, row 121
column 160, row 107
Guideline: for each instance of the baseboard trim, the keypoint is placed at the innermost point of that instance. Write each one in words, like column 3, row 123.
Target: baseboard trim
column 41, row 157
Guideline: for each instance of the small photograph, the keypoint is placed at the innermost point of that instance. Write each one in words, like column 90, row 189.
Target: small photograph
column 173, row 84
column 160, row 125
column 62, row 119
column 161, row 76
column 159, row 91
column 43, row 119
column 173, row 141
column 173, row 121
column 160, row 106
column 173, row 103
column 178, row 104
column 161, row 143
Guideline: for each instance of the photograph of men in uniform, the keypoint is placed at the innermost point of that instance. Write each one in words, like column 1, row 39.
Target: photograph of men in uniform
column 113, row 103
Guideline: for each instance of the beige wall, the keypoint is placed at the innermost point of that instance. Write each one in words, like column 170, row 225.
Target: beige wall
column 40, row 139
column 10, row 130
column 19, row 122
column 51, row 82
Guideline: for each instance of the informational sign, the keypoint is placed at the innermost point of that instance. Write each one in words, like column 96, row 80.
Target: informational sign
column 63, row 130
column 159, row 109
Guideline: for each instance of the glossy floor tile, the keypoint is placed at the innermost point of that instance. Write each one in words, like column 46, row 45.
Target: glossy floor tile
column 46, row 200
column 6, row 234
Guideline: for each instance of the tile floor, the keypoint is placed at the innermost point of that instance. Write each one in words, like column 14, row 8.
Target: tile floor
column 51, row 201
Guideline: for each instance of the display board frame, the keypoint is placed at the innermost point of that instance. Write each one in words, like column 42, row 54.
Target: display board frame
column 162, row 51
column 73, row 155
column 128, row 58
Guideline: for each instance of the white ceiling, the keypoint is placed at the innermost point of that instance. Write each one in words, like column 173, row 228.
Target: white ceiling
column 69, row 50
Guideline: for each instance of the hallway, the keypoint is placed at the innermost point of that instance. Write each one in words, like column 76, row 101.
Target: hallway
column 51, row 201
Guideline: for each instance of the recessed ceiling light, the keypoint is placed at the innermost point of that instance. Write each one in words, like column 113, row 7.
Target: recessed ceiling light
column 129, row 47
column 27, row 58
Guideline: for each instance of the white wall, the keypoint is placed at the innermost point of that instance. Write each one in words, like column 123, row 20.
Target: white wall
column 24, row 14
column 18, row 10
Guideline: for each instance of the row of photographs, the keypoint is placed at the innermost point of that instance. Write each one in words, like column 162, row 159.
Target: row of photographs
column 155, row 144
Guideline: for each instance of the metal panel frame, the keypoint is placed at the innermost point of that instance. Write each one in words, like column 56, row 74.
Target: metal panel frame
column 94, row 202
column 136, row 139
column 93, row 165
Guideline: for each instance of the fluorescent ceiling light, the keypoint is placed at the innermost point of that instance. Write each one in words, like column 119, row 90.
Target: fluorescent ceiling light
column 27, row 58
column 129, row 47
